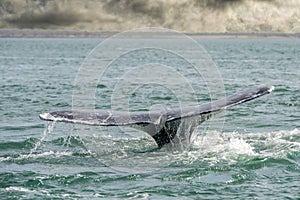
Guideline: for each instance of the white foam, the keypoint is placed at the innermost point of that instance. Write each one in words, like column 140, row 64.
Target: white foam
column 271, row 89
column 16, row 188
column 229, row 146
column 216, row 146
column 240, row 147
column 22, row 189
column 35, row 156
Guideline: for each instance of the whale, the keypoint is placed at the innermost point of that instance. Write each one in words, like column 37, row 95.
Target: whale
column 174, row 126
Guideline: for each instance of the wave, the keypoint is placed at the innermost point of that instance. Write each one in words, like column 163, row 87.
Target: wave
column 187, row 15
column 31, row 156
column 137, row 155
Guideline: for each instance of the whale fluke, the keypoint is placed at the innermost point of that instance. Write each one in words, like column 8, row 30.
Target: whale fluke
column 166, row 126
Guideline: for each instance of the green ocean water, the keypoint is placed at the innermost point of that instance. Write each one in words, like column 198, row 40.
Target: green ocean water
column 250, row 152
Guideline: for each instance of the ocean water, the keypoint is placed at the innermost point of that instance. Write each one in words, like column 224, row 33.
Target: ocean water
column 250, row 152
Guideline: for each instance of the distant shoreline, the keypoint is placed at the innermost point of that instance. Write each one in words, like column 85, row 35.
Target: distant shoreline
column 44, row 33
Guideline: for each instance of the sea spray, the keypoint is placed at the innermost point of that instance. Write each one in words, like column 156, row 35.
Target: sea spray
column 48, row 129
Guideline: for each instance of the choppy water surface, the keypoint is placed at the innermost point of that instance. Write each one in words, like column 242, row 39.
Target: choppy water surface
column 256, row 154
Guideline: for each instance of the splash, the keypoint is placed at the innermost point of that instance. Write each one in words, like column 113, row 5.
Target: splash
column 33, row 152
column 186, row 15
column 48, row 129
column 230, row 146
column 217, row 142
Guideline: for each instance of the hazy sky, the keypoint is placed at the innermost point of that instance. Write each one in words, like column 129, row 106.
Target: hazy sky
column 181, row 15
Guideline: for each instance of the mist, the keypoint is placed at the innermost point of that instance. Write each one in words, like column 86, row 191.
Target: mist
column 184, row 15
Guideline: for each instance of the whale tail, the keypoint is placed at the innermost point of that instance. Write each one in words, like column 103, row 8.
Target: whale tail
column 171, row 126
